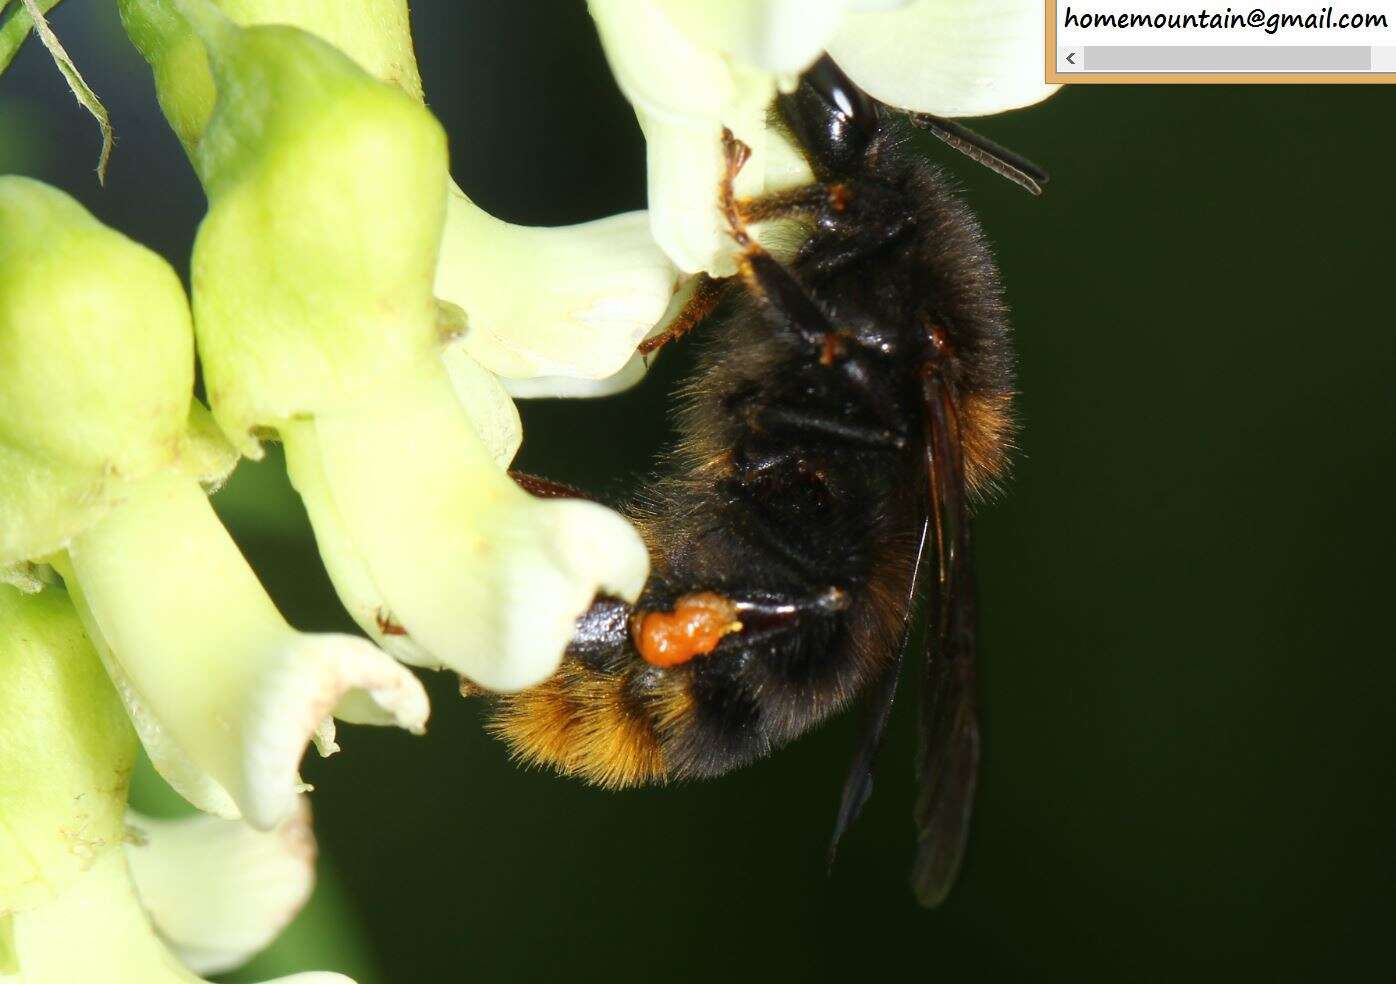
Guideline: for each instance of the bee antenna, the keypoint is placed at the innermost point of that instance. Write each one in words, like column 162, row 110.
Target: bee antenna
column 977, row 147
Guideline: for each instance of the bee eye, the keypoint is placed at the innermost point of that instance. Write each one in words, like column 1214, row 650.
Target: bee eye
column 831, row 118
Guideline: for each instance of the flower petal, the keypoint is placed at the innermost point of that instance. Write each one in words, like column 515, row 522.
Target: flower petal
column 219, row 891
column 682, row 157
column 684, row 94
column 947, row 56
column 347, row 567
column 780, row 36
column 97, row 371
column 224, row 694
column 543, row 387
column 486, row 402
column 686, row 166
column 592, row 290
column 483, row 577
column 661, row 71
column 97, row 931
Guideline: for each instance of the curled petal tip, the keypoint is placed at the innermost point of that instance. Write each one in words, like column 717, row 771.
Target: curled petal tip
column 475, row 573
column 103, row 911
column 224, row 694
column 219, row 891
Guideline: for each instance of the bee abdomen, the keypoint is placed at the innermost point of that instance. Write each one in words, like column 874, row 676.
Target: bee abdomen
column 611, row 717
column 597, row 718
column 789, row 519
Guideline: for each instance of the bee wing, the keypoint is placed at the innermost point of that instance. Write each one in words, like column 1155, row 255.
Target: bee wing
column 947, row 763
column 877, row 709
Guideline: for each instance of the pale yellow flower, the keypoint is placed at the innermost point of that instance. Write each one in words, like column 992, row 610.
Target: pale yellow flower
column 102, row 452
column 80, row 878
column 692, row 69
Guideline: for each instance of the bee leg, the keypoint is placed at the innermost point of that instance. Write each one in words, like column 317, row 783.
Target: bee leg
column 849, row 208
column 829, row 426
column 752, row 462
column 704, row 293
column 735, row 153
column 804, row 200
column 751, row 524
column 700, row 620
column 784, row 299
column 788, row 305
column 780, row 606
column 546, row 488
column 693, row 627
column 772, row 615
column 858, row 217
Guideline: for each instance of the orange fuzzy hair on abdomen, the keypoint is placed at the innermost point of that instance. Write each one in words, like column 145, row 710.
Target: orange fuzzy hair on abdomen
column 585, row 725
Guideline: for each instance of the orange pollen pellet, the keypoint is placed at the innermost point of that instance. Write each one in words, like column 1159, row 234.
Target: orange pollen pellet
column 695, row 627
column 832, row 350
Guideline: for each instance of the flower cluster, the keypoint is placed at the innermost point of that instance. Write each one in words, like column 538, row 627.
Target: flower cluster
column 350, row 302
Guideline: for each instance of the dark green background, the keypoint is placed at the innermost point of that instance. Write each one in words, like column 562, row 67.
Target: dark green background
column 1187, row 656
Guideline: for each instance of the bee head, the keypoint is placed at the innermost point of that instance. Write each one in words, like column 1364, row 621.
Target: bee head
column 832, row 119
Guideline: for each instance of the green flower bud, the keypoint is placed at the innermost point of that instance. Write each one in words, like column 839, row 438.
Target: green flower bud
column 66, row 750
column 69, row 910
column 313, row 300
column 560, row 308
column 96, row 368
column 313, row 270
column 375, row 33
column 100, row 457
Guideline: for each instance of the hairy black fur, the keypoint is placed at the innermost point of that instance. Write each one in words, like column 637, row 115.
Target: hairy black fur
column 828, row 512
column 798, row 473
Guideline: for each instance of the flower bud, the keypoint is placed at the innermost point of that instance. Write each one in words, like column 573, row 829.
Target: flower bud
column 313, row 282
column 567, row 301
column 101, row 451
column 66, row 750
column 313, row 269
column 96, row 368
column 69, row 910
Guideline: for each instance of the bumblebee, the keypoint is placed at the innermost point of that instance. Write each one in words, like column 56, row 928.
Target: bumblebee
column 851, row 400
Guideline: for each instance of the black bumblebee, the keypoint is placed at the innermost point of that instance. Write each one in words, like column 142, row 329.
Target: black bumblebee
column 850, row 401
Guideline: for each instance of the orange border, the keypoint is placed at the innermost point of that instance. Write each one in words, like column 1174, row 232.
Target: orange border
column 1185, row 78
